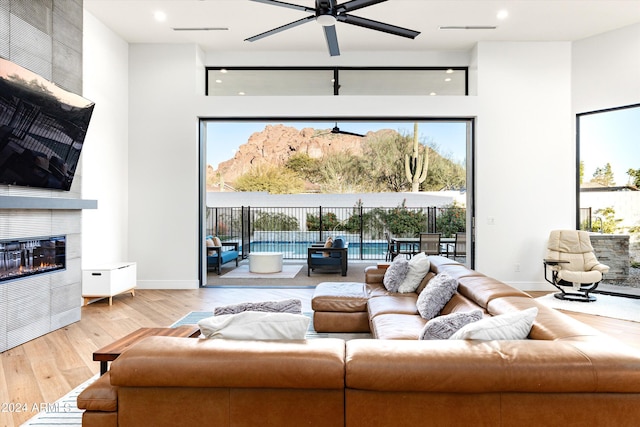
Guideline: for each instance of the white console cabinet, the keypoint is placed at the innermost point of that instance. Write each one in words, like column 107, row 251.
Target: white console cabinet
column 108, row 280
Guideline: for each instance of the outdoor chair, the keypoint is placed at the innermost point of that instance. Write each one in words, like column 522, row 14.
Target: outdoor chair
column 328, row 258
column 460, row 245
column 220, row 254
column 430, row 243
column 392, row 249
column 573, row 266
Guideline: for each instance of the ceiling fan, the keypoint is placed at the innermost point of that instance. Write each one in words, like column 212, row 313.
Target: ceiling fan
column 327, row 12
column 337, row 130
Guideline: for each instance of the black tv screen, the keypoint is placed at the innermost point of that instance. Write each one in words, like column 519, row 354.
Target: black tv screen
column 42, row 129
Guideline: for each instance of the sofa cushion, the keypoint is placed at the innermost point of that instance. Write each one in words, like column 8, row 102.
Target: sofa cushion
column 253, row 325
column 442, row 327
column 508, row 326
column 418, row 268
column 436, row 295
column 395, row 274
column 293, row 306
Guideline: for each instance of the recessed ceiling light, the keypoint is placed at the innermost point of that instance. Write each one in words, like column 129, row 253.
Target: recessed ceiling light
column 432, row 94
column 160, row 16
column 218, row 81
column 223, row 70
column 447, row 79
column 449, row 71
column 502, row 14
column 241, row 93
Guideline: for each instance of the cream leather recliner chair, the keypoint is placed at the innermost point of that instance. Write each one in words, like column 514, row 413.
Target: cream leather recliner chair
column 572, row 265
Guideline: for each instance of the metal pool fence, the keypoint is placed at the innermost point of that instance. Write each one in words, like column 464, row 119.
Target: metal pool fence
column 291, row 230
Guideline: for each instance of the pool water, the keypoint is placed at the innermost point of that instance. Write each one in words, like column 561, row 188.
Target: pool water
column 370, row 250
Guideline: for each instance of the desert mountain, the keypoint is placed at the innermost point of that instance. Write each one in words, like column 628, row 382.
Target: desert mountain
column 277, row 143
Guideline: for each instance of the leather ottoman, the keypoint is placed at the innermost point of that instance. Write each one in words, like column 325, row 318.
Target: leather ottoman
column 340, row 307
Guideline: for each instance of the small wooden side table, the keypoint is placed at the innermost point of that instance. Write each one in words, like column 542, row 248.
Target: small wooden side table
column 110, row 352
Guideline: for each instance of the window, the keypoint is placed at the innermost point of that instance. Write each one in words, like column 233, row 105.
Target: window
column 296, row 81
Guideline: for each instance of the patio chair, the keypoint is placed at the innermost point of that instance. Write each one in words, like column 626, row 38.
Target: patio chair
column 430, row 243
column 392, row 250
column 220, row 254
column 460, row 245
column 329, row 258
column 573, row 266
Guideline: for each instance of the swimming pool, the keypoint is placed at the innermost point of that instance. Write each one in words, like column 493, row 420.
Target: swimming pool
column 298, row 250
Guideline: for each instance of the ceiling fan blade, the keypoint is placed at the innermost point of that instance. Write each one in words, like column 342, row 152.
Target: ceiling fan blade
column 332, row 40
column 287, row 5
column 344, row 132
column 378, row 26
column 356, row 4
column 282, row 28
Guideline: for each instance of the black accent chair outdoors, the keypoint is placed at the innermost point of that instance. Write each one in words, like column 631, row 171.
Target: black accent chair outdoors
column 329, row 258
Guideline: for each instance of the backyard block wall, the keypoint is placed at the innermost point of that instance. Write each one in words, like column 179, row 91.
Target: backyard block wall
column 612, row 250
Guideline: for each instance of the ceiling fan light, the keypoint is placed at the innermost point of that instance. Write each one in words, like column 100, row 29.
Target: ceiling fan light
column 326, row 20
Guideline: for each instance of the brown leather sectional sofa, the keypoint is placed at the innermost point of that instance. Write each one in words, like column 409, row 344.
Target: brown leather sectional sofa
column 565, row 374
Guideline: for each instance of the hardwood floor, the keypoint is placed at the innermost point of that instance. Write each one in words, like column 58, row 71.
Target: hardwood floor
column 44, row 369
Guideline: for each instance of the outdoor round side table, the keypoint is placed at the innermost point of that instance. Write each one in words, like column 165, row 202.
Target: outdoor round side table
column 265, row 262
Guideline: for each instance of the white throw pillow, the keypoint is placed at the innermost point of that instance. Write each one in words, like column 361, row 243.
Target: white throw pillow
column 419, row 266
column 254, row 325
column 508, row 326
column 436, row 295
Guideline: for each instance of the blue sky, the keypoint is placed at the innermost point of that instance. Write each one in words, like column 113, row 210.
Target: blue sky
column 224, row 138
column 610, row 137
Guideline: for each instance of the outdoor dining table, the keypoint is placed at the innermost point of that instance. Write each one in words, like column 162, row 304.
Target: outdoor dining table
column 411, row 245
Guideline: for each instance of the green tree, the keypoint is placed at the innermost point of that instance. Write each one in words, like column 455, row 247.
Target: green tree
column 274, row 221
column 383, row 156
column 609, row 223
column 444, row 173
column 634, row 177
column 275, row 180
column 452, row 220
column 604, row 176
column 305, row 166
column 402, row 221
column 342, row 173
column 329, row 221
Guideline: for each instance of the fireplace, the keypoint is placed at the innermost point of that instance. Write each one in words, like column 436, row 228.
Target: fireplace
column 26, row 257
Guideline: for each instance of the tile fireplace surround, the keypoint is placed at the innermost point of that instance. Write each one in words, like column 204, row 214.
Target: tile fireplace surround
column 34, row 305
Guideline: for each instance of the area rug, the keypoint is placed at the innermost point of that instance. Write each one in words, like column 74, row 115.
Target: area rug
column 605, row 305
column 64, row 412
column 289, row 271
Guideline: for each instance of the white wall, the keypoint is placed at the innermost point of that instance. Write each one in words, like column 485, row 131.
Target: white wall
column 163, row 165
column 525, row 148
column 606, row 70
column 525, row 157
column 104, row 154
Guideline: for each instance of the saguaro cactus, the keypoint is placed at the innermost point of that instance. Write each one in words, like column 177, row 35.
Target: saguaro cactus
column 416, row 166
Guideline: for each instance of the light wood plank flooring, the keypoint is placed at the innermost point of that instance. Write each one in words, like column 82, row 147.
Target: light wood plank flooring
column 44, row 369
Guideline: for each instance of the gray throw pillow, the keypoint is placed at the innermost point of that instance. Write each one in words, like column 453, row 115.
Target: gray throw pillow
column 442, row 327
column 395, row 274
column 436, row 295
column 293, row 306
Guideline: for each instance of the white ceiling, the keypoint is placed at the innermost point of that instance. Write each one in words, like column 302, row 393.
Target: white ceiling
column 528, row 20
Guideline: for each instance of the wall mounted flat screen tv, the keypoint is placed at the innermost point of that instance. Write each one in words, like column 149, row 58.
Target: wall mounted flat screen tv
column 42, row 129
